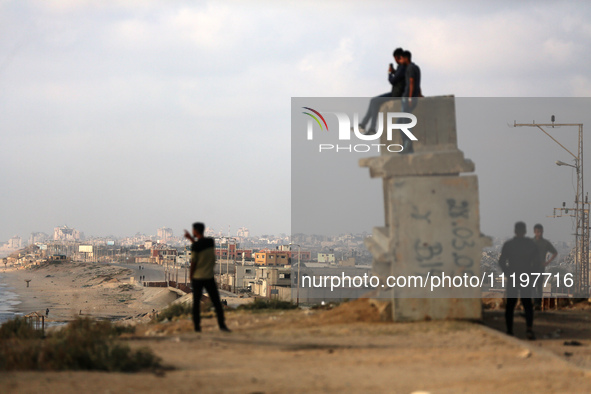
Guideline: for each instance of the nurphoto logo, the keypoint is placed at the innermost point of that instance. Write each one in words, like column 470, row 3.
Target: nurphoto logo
column 394, row 121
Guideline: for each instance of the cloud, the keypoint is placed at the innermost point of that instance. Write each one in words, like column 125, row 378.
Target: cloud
column 149, row 86
column 580, row 85
column 326, row 71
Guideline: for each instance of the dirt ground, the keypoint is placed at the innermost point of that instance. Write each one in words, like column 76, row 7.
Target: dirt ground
column 83, row 289
column 346, row 349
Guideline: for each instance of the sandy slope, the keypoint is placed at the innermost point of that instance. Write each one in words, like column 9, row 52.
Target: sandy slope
column 90, row 289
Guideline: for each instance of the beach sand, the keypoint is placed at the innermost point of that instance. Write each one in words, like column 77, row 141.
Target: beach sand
column 71, row 289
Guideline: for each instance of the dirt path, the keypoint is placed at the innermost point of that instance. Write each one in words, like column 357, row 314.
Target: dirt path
column 343, row 350
column 565, row 333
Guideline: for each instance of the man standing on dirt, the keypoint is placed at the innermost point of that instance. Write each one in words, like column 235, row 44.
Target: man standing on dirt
column 544, row 247
column 202, row 276
column 519, row 256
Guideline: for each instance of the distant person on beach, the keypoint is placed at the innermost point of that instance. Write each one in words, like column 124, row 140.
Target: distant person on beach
column 519, row 256
column 396, row 77
column 47, row 312
column 202, row 275
column 545, row 247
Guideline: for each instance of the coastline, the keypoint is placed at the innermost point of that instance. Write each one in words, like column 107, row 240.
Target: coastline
column 71, row 289
column 9, row 300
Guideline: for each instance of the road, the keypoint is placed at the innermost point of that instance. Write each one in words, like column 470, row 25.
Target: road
column 155, row 272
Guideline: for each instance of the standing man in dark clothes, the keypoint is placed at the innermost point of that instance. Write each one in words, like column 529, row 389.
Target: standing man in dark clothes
column 412, row 91
column 202, row 276
column 397, row 80
column 544, row 247
column 519, row 256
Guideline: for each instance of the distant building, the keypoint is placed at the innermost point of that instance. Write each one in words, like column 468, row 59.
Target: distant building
column 164, row 233
column 326, row 258
column 162, row 253
column 303, row 255
column 272, row 282
column 271, row 257
column 15, row 242
column 223, row 250
column 67, row 234
column 245, row 276
column 38, row 238
column 243, row 232
column 294, row 253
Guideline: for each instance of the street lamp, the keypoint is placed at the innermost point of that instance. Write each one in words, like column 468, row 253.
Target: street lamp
column 581, row 212
column 228, row 239
column 561, row 163
column 228, row 261
column 299, row 260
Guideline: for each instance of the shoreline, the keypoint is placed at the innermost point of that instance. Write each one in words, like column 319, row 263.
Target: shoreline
column 73, row 289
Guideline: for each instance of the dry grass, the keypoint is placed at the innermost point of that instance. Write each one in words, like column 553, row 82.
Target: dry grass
column 83, row 344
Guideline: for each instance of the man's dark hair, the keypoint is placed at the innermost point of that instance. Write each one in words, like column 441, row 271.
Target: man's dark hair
column 520, row 228
column 398, row 52
column 199, row 227
column 407, row 54
column 539, row 226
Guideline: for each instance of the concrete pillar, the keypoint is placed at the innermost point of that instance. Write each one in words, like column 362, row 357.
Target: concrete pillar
column 432, row 221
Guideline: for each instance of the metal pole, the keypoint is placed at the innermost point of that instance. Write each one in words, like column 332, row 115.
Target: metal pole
column 233, row 265
column 582, row 228
column 299, row 265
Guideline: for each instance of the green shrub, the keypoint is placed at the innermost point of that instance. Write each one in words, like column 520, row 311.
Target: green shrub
column 261, row 304
column 83, row 344
column 18, row 328
column 174, row 310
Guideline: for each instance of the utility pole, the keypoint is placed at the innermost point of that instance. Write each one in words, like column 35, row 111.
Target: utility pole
column 581, row 211
column 299, row 264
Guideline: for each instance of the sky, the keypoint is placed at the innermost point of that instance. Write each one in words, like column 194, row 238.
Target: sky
column 118, row 117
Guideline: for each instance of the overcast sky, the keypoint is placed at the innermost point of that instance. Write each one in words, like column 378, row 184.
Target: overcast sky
column 133, row 115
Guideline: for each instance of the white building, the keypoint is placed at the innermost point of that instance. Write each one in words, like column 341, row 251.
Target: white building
column 243, row 232
column 164, row 233
column 67, row 234
column 15, row 242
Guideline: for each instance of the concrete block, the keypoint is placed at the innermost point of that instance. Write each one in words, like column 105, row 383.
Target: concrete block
column 436, row 124
column 421, row 163
column 432, row 219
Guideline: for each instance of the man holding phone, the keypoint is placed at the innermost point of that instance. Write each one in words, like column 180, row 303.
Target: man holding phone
column 202, row 275
column 397, row 80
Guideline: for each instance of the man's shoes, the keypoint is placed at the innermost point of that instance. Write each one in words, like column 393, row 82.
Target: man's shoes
column 225, row 329
column 198, row 329
column 530, row 335
column 360, row 128
column 510, row 333
column 370, row 132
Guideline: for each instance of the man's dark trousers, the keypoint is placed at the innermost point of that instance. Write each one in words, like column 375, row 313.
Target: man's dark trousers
column 513, row 293
column 373, row 110
column 539, row 292
column 214, row 296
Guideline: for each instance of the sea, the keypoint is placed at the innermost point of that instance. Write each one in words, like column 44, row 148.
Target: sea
column 8, row 301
